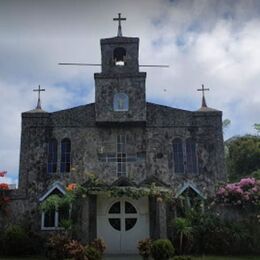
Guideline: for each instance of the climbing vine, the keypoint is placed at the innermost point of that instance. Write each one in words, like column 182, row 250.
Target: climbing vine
column 95, row 185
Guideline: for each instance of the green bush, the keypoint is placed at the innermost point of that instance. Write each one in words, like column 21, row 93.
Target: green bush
column 15, row 241
column 181, row 257
column 76, row 250
column 99, row 244
column 144, row 247
column 213, row 235
column 162, row 249
column 92, row 253
column 57, row 246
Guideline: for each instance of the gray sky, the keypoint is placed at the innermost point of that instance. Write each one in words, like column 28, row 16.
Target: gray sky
column 212, row 42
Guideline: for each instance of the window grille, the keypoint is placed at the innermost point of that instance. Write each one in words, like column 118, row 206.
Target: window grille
column 65, row 155
column 178, row 156
column 191, row 156
column 120, row 102
column 52, row 156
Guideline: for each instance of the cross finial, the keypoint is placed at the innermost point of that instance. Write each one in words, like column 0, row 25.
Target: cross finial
column 39, row 89
column 119, row 19
column 203, row 89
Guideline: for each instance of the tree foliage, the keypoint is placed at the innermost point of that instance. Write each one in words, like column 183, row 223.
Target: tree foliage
column 243, row 156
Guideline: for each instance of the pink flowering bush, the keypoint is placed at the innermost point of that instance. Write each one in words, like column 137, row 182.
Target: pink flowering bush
column 246, row 192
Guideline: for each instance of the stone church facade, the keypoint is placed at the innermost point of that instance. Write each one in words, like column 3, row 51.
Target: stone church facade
column 125, row 141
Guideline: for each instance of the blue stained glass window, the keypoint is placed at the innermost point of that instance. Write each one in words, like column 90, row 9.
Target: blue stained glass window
column 178, row 156
column 52, row 156
column 65, row 155
column 191, row 156
column 120, row 102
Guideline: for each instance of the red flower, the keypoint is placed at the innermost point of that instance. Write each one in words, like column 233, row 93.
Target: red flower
column 71, row 186
column 4, row 186
column 6, row 199
column 2, row 174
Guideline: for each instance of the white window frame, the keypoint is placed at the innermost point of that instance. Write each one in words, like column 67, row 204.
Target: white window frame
column 56, row 220
column 59, row 187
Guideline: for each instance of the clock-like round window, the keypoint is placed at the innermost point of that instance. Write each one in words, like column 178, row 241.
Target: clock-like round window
column 122, row 215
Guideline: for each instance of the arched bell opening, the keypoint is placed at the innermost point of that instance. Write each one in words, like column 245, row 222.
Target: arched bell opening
column 119, row 56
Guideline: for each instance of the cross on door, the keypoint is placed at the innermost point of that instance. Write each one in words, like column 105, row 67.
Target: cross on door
column 122, row 215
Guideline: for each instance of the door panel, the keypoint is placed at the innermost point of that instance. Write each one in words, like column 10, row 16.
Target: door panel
column 122, row 223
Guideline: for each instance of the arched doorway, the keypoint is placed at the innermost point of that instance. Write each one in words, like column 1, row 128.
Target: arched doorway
column 122, row 223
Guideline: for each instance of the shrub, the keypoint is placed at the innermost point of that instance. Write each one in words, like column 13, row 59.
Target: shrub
column 76, row 250
column 162, row 249
column 15, row 241
column 181, row 258
column 246, row 192
column 56, row 246
column 213, row 235
column 144, row 247
column 92, row 253
column 99, row 244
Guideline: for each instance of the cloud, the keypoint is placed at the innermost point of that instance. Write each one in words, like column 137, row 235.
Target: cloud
column 211, row 42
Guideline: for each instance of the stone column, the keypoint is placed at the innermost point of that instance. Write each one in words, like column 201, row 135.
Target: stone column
column 84, row 229
column 158, row 223
column 92, row 217
column 161, row 218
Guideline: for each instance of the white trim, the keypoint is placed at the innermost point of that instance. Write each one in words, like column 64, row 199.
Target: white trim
column 55, row 185
column 56, row 222
column 192, row 186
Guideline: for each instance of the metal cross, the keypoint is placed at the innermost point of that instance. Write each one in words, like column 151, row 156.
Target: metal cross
column 39, row 89
column 204, row 104
column 119, row 19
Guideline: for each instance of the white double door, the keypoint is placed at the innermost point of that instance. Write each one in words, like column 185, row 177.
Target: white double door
column 122, row 223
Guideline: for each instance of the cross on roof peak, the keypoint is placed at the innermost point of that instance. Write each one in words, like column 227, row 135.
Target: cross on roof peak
column 203, row 89
column 119, row 19
column 39, row 89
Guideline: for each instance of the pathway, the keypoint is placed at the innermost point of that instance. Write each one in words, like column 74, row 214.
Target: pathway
column 122, row 257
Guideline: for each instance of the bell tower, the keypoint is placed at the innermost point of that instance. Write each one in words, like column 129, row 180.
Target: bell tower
column 120, row 87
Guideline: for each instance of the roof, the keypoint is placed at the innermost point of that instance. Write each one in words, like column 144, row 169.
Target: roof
column 56, row 185
column 191, row 185
column 36, row 110
column 207, row 109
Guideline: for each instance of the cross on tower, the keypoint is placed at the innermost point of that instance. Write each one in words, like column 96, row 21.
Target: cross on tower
column 119, row 19
column 204, row 104
column 39, row 89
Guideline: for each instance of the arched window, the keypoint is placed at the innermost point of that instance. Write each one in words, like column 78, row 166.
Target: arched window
column 65, row 155
column 119, row 56
column 120, row 102
column 52, row 156
column 191, row 156
column 178, row 156
column 52, row 219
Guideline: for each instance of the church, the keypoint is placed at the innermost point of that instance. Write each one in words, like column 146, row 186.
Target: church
column 125, row 141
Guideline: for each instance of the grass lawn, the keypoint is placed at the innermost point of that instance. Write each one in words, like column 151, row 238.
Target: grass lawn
column 226, row 258
column 137, row 258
